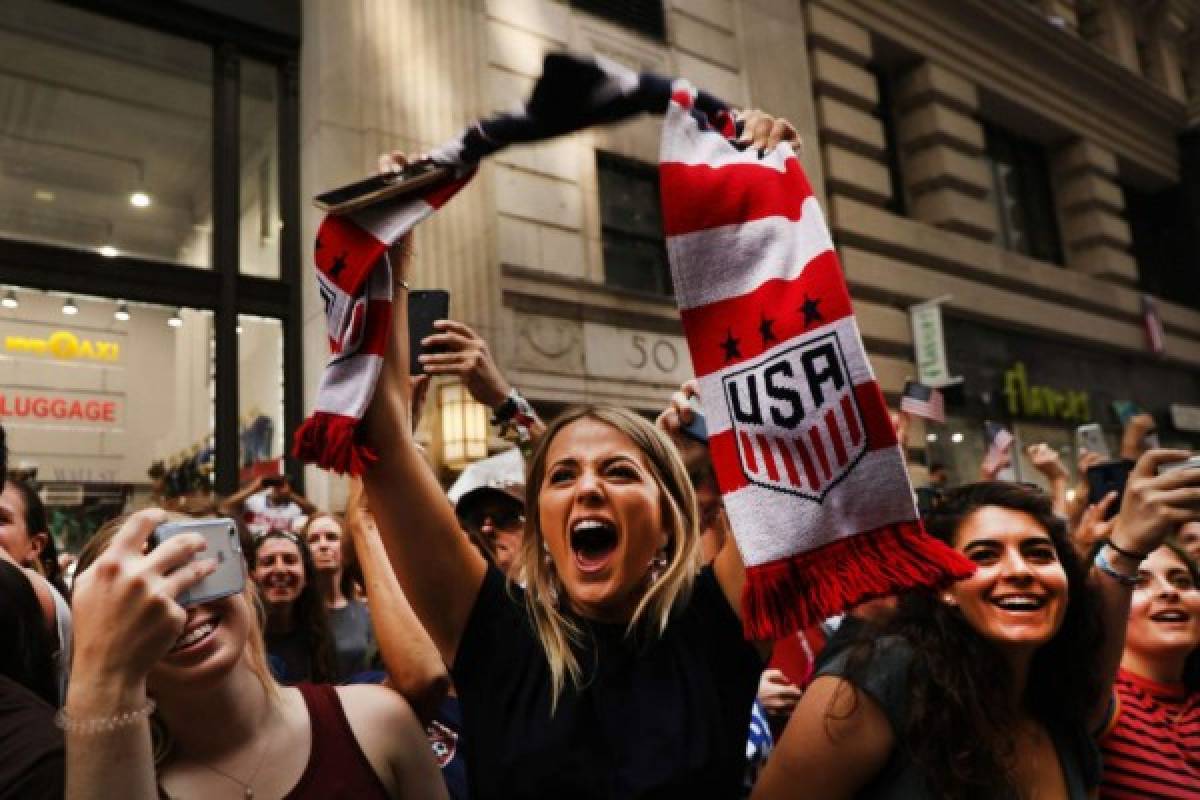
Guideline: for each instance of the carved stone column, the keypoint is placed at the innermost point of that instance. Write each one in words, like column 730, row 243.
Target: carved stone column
column 1090, row 206
column 942, row 143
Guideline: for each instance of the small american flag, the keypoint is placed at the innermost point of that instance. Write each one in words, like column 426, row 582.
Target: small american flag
column 1153, row 324
column 923, row 401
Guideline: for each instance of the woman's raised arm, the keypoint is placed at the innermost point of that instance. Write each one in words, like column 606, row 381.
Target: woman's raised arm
column 414, row 665
column 440, row 571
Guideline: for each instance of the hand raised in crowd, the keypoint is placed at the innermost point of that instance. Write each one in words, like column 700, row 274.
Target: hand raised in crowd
column 401, row 253
column 1133, row 438
column 1046, row 460
column 1092, row 527
column 466, row 354
column 679, row 412
column 1156, row 505
column 991, row 467
column 777, row 694
column 125, row 613
column 763, row 131
column 1078, row 503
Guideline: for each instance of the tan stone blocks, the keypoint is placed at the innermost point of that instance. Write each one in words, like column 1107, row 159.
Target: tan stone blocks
column 1106, row 261
column 1088, row 190
column 932, row 82
column 940, row 166
column 1096, row 236
column 705, row 41
column 834, row 76
column 954, row 211
column 718, row 13
column 932, row 123
column 851, row 127
column 1083, row 155
column 1095, row 227
column 856, row 176
column 836, row 34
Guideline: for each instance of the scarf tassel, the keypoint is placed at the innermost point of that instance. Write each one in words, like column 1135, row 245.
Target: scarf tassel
column 330, row 441
column 793, row 593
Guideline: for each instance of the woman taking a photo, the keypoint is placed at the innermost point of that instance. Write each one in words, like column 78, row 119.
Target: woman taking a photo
column 299, row 642
column 620, row 671
column 995, row 686
column 1152, row 744
column 179, row 703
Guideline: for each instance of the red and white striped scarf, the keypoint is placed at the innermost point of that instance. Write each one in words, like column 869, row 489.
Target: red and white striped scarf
column 355, row 282
column 810, row 471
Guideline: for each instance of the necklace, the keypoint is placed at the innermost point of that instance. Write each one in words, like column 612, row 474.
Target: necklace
column 247, row 785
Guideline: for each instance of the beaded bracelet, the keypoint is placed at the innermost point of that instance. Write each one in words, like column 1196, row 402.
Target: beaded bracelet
column 1127, row 553
column 1102, row 563
column 103, row 724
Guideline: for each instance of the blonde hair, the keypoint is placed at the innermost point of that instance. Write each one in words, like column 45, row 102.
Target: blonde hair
column 544, row 595
column 256, row 646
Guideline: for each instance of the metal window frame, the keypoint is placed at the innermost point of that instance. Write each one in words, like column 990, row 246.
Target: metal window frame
column 221, row 289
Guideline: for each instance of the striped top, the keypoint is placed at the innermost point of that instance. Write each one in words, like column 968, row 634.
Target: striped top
column 1152, row 746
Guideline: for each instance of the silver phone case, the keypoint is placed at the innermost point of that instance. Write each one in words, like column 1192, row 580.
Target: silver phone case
column 223, row 546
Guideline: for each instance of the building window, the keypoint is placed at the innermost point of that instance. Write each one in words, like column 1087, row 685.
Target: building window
column 635, row 253
column 885, row 81
column 643, row 16
column 1021, row 195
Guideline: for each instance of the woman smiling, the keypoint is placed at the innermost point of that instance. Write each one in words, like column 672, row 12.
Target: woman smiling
column 995, row 686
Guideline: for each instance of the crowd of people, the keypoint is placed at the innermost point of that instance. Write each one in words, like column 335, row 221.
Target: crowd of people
column 569, row 625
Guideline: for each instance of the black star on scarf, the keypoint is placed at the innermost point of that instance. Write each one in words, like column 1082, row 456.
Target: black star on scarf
column 810, row 311
column 339, row 264
column 765, row 331
column 318, row 245
column 731, row 347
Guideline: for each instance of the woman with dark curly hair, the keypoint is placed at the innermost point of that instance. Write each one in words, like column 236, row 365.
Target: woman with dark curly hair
column 299, row 641
column 1152, row 744
column 995, row 685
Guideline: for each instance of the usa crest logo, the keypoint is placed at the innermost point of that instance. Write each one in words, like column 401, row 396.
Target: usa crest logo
column 796, row 418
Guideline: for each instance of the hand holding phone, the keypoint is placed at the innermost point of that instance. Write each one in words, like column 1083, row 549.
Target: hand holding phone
column 1090, row 437
column 382, row 187
column 223, row 546
column 1108, row 477
column 425, row 307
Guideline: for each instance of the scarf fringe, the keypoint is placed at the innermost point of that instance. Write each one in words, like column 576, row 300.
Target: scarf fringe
column 330, row 441
column 784, row 596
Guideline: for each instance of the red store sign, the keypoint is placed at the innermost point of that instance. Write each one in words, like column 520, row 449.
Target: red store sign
column 57, row 408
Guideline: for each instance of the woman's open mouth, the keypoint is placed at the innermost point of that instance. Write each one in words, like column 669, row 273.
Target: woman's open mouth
column 195, row 635
column 593, row 542
column 1171, row 615
column 1020, row 603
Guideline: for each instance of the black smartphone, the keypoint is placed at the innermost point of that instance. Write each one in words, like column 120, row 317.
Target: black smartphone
column 425, row 306
column 272, row 481
column 1108, row 477
column 698, row 428
column 385, row 186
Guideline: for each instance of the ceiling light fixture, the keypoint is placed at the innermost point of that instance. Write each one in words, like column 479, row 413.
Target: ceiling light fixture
column 956, row 437
column 10, row 299
column 43, row 195
column 139, row 199
column 69, row 308
column 122, row 312
column 931, row 437
column 108, row 251
column 175, row 320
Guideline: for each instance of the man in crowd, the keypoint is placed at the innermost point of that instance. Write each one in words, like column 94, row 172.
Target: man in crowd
column 489, row 500
column 268, row 504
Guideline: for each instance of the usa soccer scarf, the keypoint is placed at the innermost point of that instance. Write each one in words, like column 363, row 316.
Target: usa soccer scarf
column 810, row 471
column 808, row 463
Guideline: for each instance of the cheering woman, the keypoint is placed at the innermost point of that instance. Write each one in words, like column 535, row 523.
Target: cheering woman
column 995, row 686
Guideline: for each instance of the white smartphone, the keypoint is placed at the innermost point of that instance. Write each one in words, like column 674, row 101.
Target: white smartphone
column 1187, row 463
column 1091, row 438
column 223, row 546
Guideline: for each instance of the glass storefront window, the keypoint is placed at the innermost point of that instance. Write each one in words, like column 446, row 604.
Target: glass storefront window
column 103, row 401
column 956, row 445
column 105, row 135
column 260, row 396
column 259, row 225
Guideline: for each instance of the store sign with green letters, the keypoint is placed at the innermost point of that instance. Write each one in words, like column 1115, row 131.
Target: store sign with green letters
column 1043, row 402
